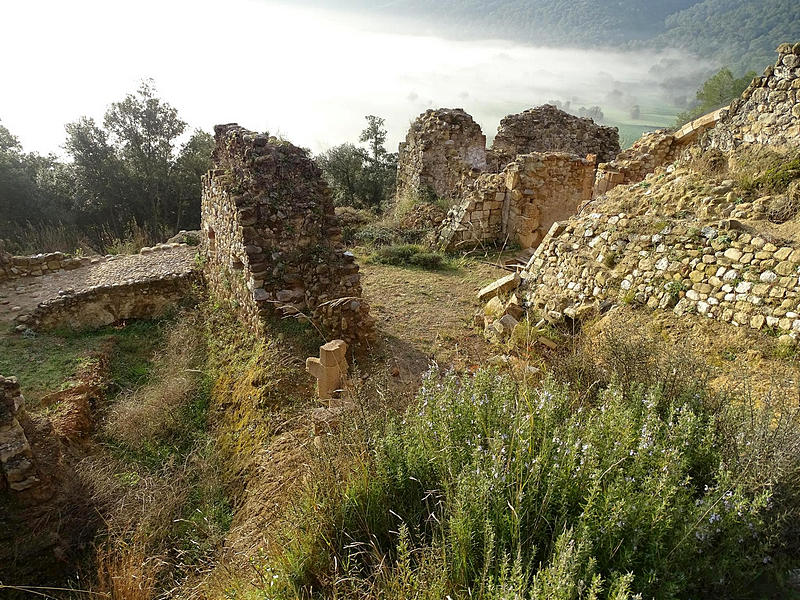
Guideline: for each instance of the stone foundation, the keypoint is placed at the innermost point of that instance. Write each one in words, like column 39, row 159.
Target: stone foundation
column 549, row 129
column 271, row 239
column 17, row 466
column 14, row 267
column 520, row 204
column 443, row 147
column 105, row 304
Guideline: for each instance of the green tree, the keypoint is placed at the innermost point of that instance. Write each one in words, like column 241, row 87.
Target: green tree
column 719, row 90
column 375, row 136
column 358, row 177
column 131, row 168
column 343, row 169
column 32, row 187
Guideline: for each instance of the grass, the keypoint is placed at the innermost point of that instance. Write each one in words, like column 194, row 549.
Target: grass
column 45, row 362
column 409, row 255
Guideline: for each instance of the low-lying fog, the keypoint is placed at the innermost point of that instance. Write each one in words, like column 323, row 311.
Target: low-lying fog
column 310, row 75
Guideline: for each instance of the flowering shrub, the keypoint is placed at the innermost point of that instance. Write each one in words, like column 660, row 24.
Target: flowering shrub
column 491, row 489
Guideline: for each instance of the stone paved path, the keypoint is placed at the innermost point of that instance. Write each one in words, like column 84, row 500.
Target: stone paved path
column 21, row 296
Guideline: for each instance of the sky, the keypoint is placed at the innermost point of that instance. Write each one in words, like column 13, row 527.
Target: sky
column 308, row 75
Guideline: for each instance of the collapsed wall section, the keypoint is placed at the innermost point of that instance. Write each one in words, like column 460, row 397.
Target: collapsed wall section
column 652, row 150
column 520, row 204
column 442, row 148
column 271, row 239
column 17, row 467
column 768, row 112
column 728, row 275
column 549, row 129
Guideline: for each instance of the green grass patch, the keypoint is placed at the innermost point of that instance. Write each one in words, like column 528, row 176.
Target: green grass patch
column 409, row 255
column 45, row 362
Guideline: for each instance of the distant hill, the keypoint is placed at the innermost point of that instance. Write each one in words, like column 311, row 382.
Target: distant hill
column 740, row 33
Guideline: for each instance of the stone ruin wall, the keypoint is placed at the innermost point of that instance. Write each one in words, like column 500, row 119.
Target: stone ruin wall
column 652, row 150
column 18, row 471
column 520, row 204
column 105, row 304
column 768, row 113
column 14, row 267
column 443, row 148
column 549, row 129
column 271, row 238
column 724, row 274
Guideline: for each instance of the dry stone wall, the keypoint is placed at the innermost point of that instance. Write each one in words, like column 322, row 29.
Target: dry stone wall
column 14, row 267
column 443, row 147
column 271, row 238
column 768, row 113
column 17, row 466
column 104, row 304
column 549, row 129
column 519, row 204
column 724, row 274
column 651, row 151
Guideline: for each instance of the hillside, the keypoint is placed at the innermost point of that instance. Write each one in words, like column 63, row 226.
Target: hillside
column 739, row 33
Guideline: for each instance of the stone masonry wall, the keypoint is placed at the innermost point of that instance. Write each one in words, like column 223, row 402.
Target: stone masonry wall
column 17, row 467
column 14, row 267
column 520, row 204
column 442, row 147
column 768, row 112
column 652, row 150
column 549, row 129
column 271, row 238
column 724, row 274
column 104, row 304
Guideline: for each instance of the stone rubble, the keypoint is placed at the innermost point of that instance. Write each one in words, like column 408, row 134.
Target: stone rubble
column 17, row 466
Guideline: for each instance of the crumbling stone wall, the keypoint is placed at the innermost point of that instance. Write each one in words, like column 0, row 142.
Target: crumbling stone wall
column 549, row 129
column 725, row 274
column 271, row 238
column 17, row 466
column 107, row 303
column 442, row 148
column 14, row 267
column 768, row 113
column 520, row 204
column 652, row 150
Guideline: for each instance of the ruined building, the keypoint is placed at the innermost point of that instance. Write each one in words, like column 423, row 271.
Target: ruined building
column 540, row 169
column 519, row 205
column 271, row 237
column 549, row 129
column 768, row 111
column 442, row 148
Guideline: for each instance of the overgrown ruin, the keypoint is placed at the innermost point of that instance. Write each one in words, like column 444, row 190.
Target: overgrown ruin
column 679, row 241
column 272, row 243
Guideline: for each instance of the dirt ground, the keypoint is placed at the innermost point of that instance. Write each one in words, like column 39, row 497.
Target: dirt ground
column 425, row 317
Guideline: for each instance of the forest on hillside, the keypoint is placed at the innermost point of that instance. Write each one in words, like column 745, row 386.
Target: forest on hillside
column 741, row 34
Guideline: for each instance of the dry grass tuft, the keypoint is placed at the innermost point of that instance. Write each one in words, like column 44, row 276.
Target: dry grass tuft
column 154, row 411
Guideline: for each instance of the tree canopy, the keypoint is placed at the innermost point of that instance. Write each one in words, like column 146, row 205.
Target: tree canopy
column 131, row 169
